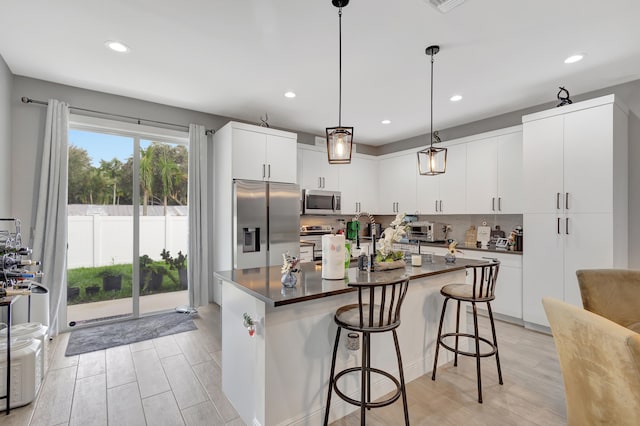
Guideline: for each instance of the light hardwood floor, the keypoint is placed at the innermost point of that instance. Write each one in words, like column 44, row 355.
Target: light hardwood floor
column 172, row 380
column 176, row 380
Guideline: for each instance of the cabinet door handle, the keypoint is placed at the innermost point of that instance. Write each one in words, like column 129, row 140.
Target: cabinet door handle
column 558, row 200
column 323, row 182
column 319, row 182
column 566, row 226
column 440, row 206
column 566, row 200
column 269, row 171
column 499, row 204
column 558, row 230
column 493, row 204
column 263, row 172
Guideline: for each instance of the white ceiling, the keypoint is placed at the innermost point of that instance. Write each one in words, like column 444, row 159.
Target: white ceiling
column 237, row 58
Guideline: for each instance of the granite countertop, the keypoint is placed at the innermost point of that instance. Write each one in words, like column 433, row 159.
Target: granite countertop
column 264, row 282
column 492, row 249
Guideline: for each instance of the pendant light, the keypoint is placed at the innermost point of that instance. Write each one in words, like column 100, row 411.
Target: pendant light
column 339, row 139
column 432, row 161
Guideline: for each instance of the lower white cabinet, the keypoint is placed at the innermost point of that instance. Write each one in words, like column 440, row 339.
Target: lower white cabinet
column 508, row 299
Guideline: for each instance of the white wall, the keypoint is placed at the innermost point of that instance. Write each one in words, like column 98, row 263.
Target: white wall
column 6, row 80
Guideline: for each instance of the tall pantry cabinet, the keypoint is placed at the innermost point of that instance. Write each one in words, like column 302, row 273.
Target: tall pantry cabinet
column 575, row 170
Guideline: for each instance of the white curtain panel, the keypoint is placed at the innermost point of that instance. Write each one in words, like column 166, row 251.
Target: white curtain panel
column 49, row 231
column 198, row 219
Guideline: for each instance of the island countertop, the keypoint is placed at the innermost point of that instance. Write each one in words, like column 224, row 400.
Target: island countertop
column 264, row 282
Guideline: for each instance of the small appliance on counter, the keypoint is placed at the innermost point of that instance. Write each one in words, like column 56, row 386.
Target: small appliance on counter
column 431, row 232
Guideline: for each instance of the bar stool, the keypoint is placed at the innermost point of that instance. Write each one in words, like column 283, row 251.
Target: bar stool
column 482, row 290
column 377, row 311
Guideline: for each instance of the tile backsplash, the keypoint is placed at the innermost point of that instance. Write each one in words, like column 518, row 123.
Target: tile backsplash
column 459, row 223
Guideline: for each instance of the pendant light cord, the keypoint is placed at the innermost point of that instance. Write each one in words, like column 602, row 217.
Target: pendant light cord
column 340, row 67
column 431, row 135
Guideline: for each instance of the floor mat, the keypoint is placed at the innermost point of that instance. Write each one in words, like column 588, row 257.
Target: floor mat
column 131, row 331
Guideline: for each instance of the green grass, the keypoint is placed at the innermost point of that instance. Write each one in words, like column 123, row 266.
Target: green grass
column 82, row 278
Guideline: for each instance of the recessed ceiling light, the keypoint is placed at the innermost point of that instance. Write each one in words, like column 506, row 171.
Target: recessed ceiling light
column 117, row 46
column 573, row 59
column 290, row 95
column 455, row 98
column 386, row 121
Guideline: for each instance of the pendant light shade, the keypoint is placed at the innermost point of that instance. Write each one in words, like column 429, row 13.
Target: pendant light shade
column 340, row 138
column 432, row 160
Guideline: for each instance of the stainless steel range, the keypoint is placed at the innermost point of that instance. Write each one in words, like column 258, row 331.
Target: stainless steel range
column 313, row 234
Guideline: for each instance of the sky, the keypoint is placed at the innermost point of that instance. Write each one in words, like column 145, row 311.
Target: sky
column 101, row 146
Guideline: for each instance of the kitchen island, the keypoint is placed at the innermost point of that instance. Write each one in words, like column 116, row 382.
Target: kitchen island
column 279, row 375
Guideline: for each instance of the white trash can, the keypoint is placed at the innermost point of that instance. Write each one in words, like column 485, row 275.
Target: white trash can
column 25, row 381
column 33, row 330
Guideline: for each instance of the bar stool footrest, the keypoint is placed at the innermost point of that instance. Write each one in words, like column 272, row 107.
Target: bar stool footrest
column 471, row 336
column 369, row 404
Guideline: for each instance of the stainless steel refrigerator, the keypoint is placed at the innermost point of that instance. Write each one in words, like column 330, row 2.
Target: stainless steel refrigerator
column 266, row 222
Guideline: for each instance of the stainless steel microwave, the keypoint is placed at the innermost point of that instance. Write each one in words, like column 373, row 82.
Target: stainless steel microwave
column 320, row 202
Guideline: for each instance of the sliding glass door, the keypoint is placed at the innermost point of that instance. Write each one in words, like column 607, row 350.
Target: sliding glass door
column 127, row 222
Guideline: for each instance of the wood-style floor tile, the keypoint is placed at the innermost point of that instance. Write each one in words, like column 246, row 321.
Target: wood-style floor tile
column 56, row 395
column 120, row 369
column 124, row 406
column 162, row 410
column 185, row 386
column 90, row 401
column 166, row 346
column 202, row 414
column 91, row 364
column 151, row 377
column 191, row 345
column 210, row 376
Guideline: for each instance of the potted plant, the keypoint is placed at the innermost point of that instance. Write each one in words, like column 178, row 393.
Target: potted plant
column 151, row 275
column 178, row 263
column 91, row 290
column 111, row 279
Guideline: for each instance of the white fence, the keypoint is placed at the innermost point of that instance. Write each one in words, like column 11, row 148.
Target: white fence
column 105, row 240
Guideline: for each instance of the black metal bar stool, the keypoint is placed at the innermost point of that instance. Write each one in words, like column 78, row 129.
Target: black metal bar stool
column 482, row 290
column 377, row 311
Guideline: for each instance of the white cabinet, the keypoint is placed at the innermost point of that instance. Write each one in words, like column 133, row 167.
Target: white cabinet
column 316, row 172
column 445, row 193
column 397, row 184
column 257, row 153
column 575, row 187
column 358, row 185
column 494, row 174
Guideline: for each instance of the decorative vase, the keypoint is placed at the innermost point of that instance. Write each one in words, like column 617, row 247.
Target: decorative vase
column 289, row 279
column 450, row 258
column 386, row 265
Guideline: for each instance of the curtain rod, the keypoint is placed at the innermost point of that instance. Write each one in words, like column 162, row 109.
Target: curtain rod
column 26, row 100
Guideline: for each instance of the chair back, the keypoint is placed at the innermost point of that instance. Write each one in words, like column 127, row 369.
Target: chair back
column 600, row 363
column 484, row 278
column 612, row 293
column 379, row 304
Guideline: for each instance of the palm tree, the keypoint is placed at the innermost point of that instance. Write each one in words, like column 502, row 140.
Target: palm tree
column 146, row 176
column 169, row 171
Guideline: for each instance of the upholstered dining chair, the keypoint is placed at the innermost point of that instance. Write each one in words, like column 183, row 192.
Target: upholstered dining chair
column 600, row 363
column 613, row 294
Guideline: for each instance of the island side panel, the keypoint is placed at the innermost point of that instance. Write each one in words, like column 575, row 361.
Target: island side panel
column 243, row 356
column 300, row 338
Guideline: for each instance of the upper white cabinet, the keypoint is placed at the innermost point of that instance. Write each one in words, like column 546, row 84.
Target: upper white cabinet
column 494, row 174
column 397, row 184
column 575, row 185
column 258, row 153
column 358, row 184
column 445, row 193
column 315, row 170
